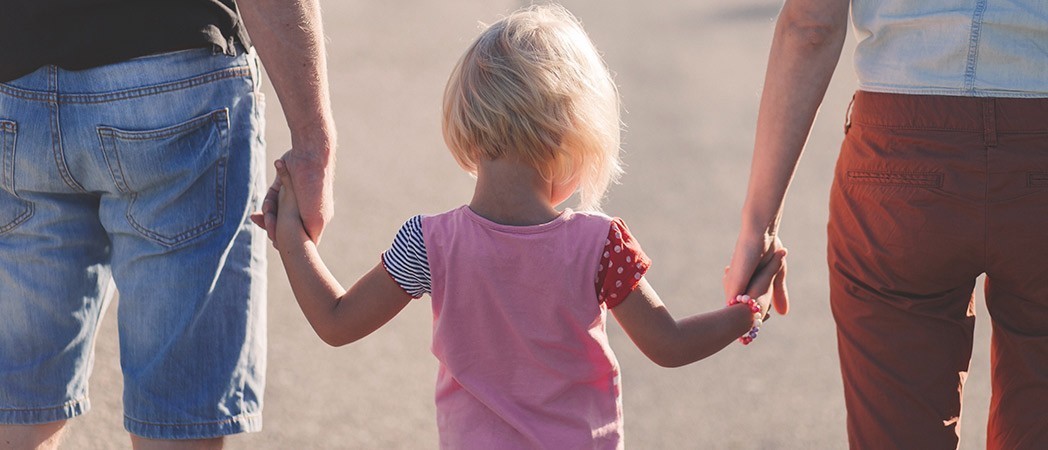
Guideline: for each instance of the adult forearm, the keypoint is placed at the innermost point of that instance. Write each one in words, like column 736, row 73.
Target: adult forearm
column 288, row 35
column 807, row 44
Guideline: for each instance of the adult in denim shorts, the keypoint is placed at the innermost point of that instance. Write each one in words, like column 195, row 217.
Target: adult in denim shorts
column 942, row 176
column 131, row 156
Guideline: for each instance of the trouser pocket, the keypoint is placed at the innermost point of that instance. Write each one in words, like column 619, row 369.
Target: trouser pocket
column 174, row 178
column 13, row 210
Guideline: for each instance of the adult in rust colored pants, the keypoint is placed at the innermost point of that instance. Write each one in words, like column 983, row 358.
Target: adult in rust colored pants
column 943, row 176
column 929, row 193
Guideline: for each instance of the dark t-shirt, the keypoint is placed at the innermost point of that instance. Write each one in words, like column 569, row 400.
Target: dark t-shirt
column 78, row 34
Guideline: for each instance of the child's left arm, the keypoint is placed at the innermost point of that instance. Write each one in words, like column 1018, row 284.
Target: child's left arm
column 673, row 343
column 338, row 316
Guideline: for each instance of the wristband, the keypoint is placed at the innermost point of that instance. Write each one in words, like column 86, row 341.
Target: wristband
column 758, row 318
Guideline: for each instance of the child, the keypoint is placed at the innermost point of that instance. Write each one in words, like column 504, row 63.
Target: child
column 520, row 289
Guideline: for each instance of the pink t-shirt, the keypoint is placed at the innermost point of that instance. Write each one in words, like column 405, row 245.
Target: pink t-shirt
column 519, row 330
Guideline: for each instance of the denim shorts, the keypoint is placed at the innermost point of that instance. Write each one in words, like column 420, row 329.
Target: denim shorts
column 138, row 177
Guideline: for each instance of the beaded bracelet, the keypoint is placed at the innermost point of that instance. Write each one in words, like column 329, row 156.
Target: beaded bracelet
column 758, row 318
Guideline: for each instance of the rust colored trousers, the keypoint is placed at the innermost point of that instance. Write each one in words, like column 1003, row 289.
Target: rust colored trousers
column 929, row 193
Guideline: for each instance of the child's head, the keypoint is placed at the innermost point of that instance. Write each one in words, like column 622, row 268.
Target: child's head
column 532, row 87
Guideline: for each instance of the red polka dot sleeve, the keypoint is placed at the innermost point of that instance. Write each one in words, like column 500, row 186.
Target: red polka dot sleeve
column 622, row 264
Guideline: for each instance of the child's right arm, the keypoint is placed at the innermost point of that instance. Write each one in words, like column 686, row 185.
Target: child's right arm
column 674, row 343
column 338, row 316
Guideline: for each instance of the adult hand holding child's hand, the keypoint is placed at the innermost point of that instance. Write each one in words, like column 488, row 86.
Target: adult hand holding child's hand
column 314, row 176
column 749, row 270
column 763, row 285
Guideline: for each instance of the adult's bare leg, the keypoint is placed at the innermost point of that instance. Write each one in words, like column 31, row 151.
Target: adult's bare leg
column 141, row 443
column 45, row 436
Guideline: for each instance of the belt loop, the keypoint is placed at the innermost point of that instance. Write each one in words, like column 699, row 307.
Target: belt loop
column 52, row 80
column 989, row 113
column 231, row 47
column 847, row 114
column 255, row 65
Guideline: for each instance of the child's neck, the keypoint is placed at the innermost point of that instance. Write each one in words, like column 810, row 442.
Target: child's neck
column 512, row 193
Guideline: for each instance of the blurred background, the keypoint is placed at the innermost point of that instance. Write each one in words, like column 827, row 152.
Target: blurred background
column 690, row 73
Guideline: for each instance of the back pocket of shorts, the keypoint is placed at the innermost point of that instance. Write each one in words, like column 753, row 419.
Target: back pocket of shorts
column 13, row 210
column 173, row 178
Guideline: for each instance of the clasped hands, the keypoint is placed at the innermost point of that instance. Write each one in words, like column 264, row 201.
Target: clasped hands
column 752, row 253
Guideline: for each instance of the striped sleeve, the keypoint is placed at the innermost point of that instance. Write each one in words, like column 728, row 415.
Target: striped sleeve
column 406, row 259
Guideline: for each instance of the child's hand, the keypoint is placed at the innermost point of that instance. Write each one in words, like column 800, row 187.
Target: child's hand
column 288, row 227
column 760, row 286
column 751, row 253
column 269, row 210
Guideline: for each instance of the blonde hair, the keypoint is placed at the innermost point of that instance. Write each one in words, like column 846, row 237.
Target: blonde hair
column 532, row 86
